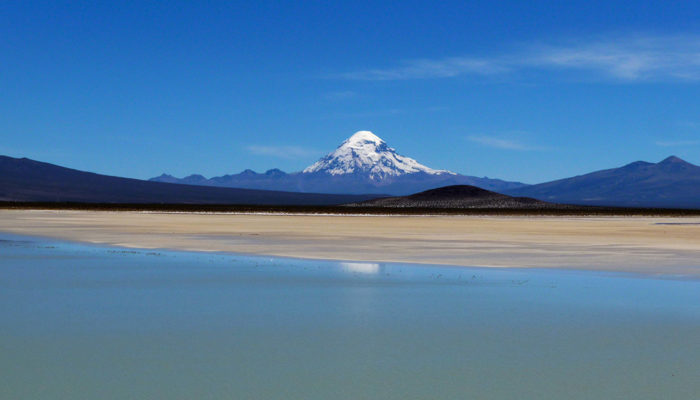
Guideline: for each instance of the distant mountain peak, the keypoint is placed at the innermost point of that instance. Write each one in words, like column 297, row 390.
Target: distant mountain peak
column 673, row 160
column 672, row 182
column 638, row 164
column 275, row 172
column 365, row 153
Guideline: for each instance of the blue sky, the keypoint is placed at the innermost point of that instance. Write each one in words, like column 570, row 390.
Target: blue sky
column 528, row 91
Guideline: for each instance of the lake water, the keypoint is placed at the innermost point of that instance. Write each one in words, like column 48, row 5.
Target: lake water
column 88, row 322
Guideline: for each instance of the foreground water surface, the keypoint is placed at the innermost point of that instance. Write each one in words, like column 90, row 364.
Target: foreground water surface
column 88, row 322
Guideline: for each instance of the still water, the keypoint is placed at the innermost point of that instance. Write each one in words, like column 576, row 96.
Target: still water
column 88, row 322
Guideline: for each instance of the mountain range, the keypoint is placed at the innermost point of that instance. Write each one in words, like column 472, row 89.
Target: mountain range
column 672, row 183
column 22, row 179
column 363, row 163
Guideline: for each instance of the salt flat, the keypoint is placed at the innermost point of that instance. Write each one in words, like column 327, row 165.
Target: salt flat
column 652, row 245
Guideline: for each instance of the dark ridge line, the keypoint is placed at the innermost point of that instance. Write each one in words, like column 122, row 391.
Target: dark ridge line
column 294, row 209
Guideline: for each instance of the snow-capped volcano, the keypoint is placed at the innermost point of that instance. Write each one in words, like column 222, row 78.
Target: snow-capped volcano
column 367, row 154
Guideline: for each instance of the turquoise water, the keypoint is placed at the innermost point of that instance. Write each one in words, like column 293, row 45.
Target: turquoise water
column 87, row 322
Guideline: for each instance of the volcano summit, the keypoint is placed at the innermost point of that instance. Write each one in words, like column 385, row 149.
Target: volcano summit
column 366, row 153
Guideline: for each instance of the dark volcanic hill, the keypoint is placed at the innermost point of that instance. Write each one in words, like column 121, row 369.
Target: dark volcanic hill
column 672, row 183
column 22, row 179
column 459, row 196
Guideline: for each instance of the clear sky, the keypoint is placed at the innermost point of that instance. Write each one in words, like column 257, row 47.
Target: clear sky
column 520, row 90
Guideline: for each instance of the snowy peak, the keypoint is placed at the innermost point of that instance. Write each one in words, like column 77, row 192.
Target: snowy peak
column 363, row 143
column 367, row 154
column 363, row 138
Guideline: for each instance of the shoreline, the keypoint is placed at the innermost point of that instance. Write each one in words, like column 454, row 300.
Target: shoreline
column 350, row 262
column 562, row 210
column 647, row 245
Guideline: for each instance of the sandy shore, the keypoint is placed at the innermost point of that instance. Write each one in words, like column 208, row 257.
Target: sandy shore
column 635, row 244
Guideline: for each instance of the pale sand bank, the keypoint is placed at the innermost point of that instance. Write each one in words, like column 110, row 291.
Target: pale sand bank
column 635, row 244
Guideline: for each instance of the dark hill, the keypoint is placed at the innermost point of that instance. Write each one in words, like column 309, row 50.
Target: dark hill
column 458, row 196
column 22, row 179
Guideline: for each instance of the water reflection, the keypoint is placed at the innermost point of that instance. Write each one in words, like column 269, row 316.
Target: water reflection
column 361, row 268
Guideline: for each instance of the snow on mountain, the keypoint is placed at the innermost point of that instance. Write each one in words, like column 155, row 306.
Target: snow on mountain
column 367, row 154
